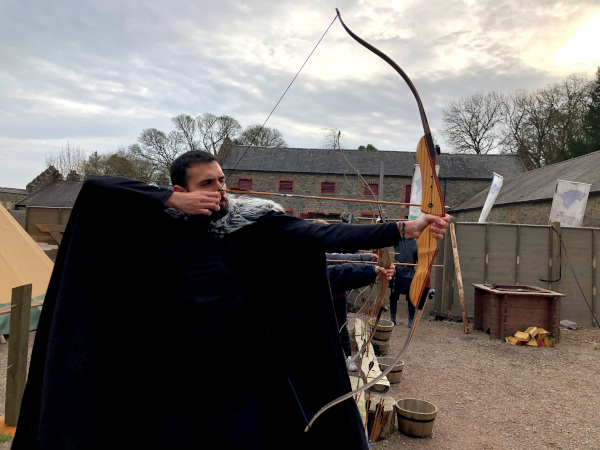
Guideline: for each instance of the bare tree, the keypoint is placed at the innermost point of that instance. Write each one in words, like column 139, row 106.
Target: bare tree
column 473, row 124
column 69, row 158
column 158, row 148
column 333, row 138
column 260, row 136
column 214, row 129
column 187, row 126
column 541, row 126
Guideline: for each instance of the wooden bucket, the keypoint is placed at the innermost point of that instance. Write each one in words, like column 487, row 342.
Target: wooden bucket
column 384, row 329
column 415, row 417
column 395, row 374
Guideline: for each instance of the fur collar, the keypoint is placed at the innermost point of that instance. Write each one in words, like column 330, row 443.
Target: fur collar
column 243, row 211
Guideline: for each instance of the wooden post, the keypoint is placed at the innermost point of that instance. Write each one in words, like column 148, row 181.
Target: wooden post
column 554, row 258
column 518, row 255
column 461, row 292
column 18, row 342
column 444, row 303
column 487, row 254
column 594, row 280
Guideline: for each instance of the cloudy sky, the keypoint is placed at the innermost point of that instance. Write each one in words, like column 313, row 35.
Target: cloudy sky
column 94, row 73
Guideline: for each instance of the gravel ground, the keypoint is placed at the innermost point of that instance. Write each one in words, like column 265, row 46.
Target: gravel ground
column 492, row 395
column 489, row 394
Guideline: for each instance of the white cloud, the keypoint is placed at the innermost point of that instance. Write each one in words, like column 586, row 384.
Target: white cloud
column 97, row 73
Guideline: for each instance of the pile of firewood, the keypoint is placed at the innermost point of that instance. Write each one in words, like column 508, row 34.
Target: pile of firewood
column 532, row 336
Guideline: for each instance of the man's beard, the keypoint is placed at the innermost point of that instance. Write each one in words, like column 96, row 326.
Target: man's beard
column 216, row 215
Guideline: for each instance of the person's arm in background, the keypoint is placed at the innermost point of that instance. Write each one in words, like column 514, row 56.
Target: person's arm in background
column 343, row 277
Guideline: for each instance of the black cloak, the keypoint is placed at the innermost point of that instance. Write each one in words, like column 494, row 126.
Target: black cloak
column 93, row 377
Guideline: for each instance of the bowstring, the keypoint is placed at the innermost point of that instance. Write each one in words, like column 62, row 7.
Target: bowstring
column 260, row 314
column 562, row 243
column 252, row 140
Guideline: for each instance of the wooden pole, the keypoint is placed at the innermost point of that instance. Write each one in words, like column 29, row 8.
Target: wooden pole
column 487, row 253
column 594, row 277
column 372, row 262
column 461, row 292
column 18, row 343
column 444, row 302
column 554, row 258
column 333, row 199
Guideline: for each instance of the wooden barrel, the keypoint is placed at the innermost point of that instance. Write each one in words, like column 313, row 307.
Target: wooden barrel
column 415, row 417
column 395, row 374
column 384, row 329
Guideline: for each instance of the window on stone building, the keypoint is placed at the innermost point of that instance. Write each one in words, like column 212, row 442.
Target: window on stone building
column 373, row 189
column 327, row 187
column 323, row 216
column 407, row 191
column 245, row 184
column 286, row 186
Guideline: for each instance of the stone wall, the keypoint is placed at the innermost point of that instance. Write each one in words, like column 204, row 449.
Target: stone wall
column 457, row 191
column 9, row 199
column 46, row 177
column 310, row 184
column 532, row 213
column 394, row 189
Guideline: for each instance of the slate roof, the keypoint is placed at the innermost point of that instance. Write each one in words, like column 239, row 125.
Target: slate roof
column 539, row 184
column 58, row 194
column 395, row 163
column 5, row 190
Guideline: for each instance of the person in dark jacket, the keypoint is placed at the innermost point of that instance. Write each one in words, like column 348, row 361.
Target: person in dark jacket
column 344, row 276
column 137, row 261
column 406, row 252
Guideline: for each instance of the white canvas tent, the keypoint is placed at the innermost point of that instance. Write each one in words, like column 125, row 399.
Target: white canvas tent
column 22, row 262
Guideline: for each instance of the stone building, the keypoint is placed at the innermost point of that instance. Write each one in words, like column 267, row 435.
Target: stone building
column 10, row 196
column 526, row 198
column 48, row 176
column 329, row 173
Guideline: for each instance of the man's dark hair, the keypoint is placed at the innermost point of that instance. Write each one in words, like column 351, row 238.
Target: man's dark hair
column 183, row 162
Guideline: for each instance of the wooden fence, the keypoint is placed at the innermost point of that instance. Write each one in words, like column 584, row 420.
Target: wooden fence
column 562, row 260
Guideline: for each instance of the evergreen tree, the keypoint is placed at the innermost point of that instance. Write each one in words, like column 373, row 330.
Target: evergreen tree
column 368, row 147
column 592, row 119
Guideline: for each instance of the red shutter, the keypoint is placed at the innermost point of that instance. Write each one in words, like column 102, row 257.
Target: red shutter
column 373, row 189
column 407, row 191
column 286, row 186
column 327, row 187
column 245, row 184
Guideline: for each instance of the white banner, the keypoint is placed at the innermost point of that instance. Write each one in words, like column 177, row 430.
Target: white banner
column 568, row 205
column 415, row 193
column 491, row 198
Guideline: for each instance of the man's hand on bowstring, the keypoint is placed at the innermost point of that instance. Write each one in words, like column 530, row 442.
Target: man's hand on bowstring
column 195, row 203
column 413, row 228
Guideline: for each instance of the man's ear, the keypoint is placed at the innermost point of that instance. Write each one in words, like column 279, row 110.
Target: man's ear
column 178, row 188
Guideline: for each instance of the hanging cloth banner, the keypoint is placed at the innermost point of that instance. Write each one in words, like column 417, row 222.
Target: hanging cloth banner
column 415, row 193
column 491, row 198
column 568, row 205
